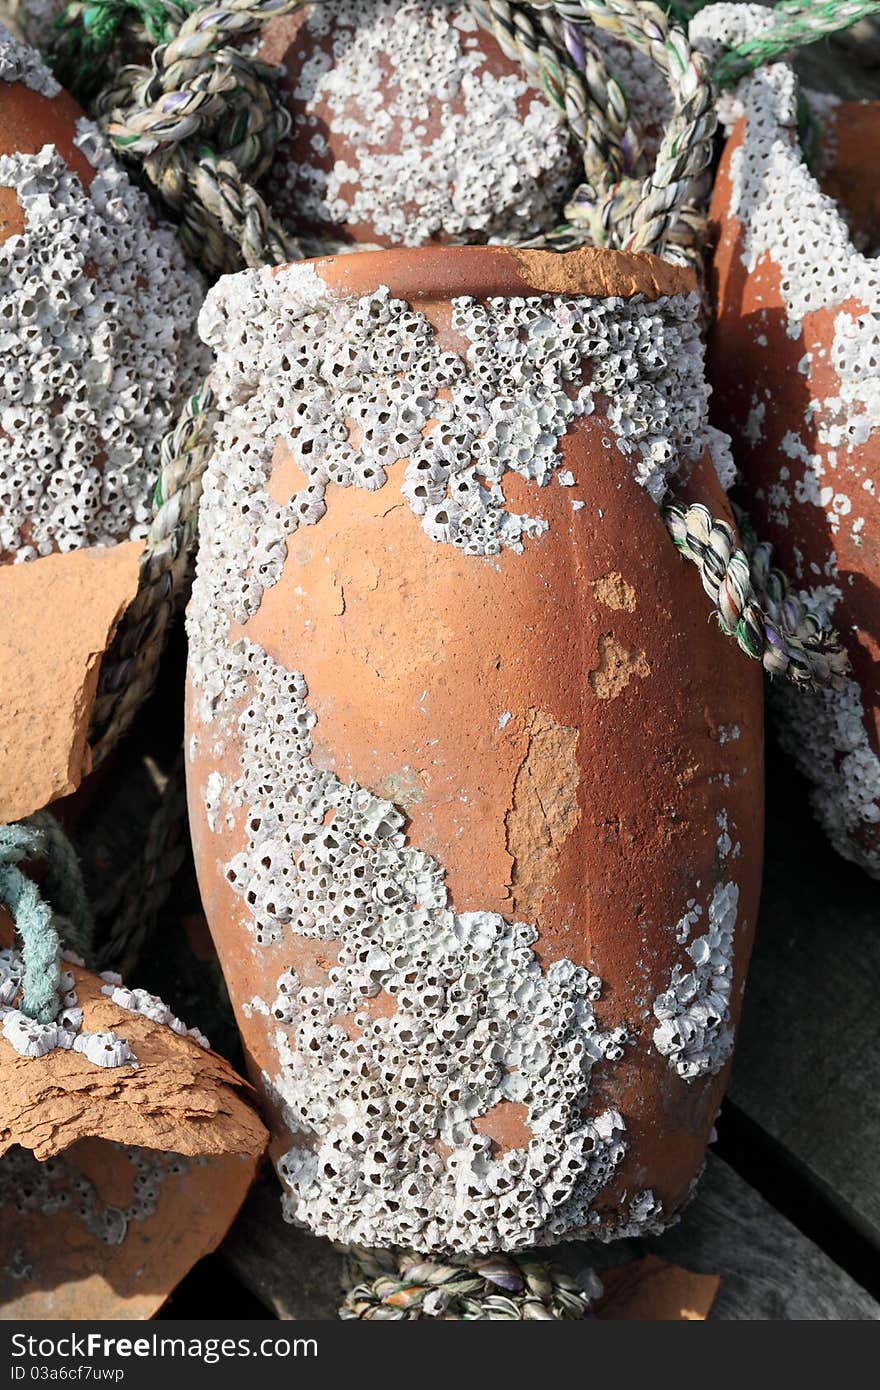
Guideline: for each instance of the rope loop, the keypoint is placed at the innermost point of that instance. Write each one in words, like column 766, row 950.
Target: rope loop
column 618, row 204
column 755, row 603
column 203, row 122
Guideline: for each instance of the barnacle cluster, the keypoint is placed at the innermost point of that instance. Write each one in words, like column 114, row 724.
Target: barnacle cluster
column 96, row 333
column 21, row 63
column 140, row 1001
column 694, row 1027
column 32, row 1039
column 413, row 96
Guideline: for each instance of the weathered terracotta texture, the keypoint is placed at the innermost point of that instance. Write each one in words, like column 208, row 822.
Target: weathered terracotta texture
column 566, row 734
column 410, row 125
column 794, row 359
column 850, row 168
column 108, row 1230
column 28, row 121
column 652, row 1290
column 179, row 1098
column 57, row 617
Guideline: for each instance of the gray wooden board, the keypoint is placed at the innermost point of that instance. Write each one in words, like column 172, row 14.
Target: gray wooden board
column 768, row 1270
column 807, row 1067
column 291, row 1272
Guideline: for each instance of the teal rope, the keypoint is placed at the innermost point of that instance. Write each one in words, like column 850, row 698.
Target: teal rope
column 793, row 24
column 33, row 922
column 36, row 924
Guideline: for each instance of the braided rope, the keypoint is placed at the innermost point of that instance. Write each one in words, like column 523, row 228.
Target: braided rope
column 87, row 33
column 401, row 1285
column 203, row 122
column 129, row 668
column 36, row 923
column 755, row 603
column 561, row 58
column 641, row 215
column 793, row 25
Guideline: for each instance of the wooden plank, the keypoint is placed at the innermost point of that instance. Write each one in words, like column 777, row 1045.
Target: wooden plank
column 769, row 1271
column 807, row 1067
column 294, row 1274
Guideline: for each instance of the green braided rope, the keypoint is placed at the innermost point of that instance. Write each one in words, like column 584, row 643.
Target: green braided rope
column 401, row 1285
column 756, row 603
column 36, row 923
column 793, row 25
column 203, row 123
column 129, row 668
column 86, row 33
column 571, row 70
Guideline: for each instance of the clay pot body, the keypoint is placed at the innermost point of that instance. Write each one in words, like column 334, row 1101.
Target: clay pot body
column 475, row 788
column 794, row 359
column 97, row 329
column 411, row 126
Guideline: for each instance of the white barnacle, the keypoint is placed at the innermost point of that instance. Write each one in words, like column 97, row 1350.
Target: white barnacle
column 27, row 1037
column 694, row 1030
column 104, row 1049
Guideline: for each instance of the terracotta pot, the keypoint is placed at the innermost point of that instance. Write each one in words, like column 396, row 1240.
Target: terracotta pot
column 473, row 782
column 794, row 360
column 97, row 326
column 411, row 126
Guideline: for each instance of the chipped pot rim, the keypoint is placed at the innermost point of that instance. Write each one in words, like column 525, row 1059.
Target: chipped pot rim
column 446, row 272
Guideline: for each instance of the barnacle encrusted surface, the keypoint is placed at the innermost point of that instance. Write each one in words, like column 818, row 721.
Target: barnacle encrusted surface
column 97, row 315
column 453, row 1013
column 21, row 63
column 432, row 140
column 27, row 1185
column 825, row 454
column 694, row 1028
column 32, row 1039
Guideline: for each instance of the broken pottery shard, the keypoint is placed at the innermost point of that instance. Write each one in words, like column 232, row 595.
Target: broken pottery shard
column 651, row 1290
column 108, row 1230
column 57, row 616
column 116, row 1173
column 179, row 1097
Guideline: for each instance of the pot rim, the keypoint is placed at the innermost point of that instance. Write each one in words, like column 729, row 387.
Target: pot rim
column 444, row 272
